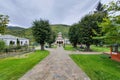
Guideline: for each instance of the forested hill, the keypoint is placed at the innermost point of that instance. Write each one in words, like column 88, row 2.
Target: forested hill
column 61, row 28
column 27, row 33
column 15, row 28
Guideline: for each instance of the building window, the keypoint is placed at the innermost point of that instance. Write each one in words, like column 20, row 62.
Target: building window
column 26, row 42
column 21, row 42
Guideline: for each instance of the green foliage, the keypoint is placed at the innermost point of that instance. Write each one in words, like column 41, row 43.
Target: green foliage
column 100, row 49
column 88, row 25
column 15, row 67
column 15, row 28
column 21, row 32
column 90, row 28
column 98, row 67
column 69, row 48
column 74, row 34
column 18, row 42
column 41, row 31
column 2, row 45
column 100, row 7
column 61, row 28
column 3, row 23
column 93, row 48
column 113, row 6
column 51, row 38
column 111, row 28
column 84, row 31
column 15, row 31
column 111, row 25
column 27, row 33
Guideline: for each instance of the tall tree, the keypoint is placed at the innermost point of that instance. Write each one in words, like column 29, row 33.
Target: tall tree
column 90, row 28
column 3, row 23
column 100, row 7
column 51, row 38
column 111, row 28
column 111, row 24
column 98, row 18
column 113, row 6
column 74, row 34
column 41, row 31
column 87, row 34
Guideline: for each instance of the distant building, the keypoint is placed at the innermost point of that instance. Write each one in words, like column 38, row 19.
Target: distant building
column 9, row 38
column 67, row 41
column 59, row 39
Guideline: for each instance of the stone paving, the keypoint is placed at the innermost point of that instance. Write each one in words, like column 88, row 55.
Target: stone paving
column 57, row 66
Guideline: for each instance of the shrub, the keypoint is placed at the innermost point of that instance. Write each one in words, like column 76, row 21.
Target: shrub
column 2, row 45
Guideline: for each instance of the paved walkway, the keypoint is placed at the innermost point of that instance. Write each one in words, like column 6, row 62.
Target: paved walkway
column 57, row 66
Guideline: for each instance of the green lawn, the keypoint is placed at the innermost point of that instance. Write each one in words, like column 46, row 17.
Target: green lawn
column 69, row 48
column 14, row 67
column 100, row 49
column 98, row 67
column 54, row 46
column 92, row 47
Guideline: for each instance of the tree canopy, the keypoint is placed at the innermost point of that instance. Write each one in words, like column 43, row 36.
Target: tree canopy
column 74, row 34
column 100, row 7
column 51, row 39
column 41, row 31
column 87, row 28
column 4, row 19
column 111, row 25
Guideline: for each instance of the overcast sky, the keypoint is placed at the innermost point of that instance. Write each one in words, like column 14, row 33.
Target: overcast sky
column 24, row 12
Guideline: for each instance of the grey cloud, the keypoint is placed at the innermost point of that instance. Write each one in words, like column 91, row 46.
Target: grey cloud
column 23, row 12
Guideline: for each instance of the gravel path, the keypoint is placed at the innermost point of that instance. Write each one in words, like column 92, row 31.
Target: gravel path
column 57, row 66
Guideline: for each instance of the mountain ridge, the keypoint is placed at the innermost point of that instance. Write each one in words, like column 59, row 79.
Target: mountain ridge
column 27, row 32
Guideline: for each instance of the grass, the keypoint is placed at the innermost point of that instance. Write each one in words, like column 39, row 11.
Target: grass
column 92, row 47
column 98, row 67
column 13, row 68
column 69, row 48
column 54, row 46
column 100, row 49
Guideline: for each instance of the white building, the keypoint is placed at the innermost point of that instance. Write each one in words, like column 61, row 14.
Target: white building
column 9, row 38
column 67, row 41
column 59, row 39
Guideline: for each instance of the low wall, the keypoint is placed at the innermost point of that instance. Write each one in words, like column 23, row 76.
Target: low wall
column 116, row 57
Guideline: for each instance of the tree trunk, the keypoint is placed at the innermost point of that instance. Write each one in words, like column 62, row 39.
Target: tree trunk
column 88, row 47
column 42, row 46
column 74, row 45
column 49, row 45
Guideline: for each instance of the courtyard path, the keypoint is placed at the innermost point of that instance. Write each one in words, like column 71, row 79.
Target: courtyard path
column 57, row 66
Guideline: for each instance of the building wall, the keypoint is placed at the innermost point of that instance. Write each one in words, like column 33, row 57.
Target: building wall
column 24, row 42
column 7, row 41
column 59, row 41
column 8, row 38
